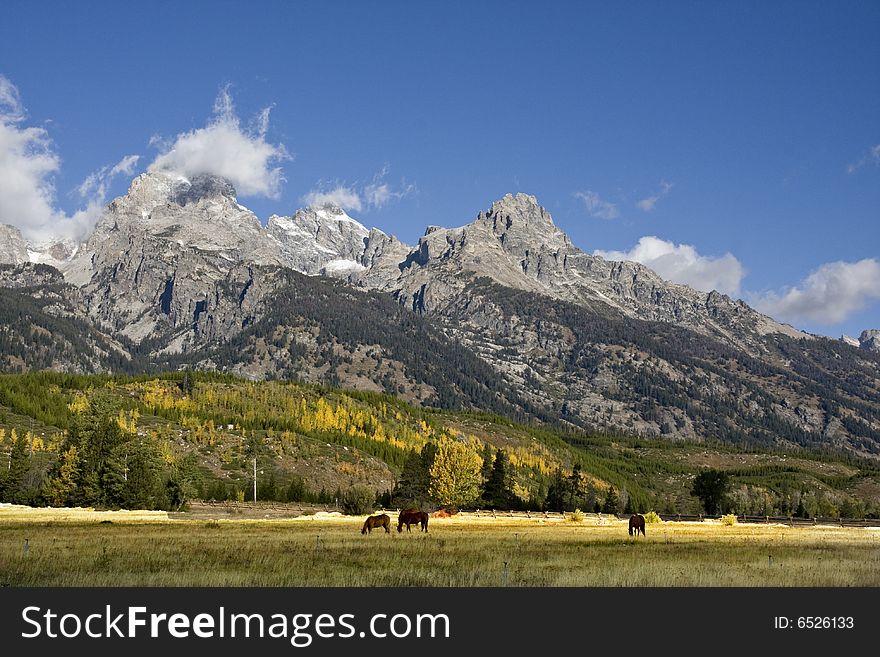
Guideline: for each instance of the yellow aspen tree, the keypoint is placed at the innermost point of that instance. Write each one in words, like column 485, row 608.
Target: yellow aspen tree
column 456, row 474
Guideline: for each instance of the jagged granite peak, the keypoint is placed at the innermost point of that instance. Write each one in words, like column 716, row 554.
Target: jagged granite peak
column 316, row 236
column 157, row 253
column 326, row 240
column 515, row 243
column 522, row 225
column 851, row 341
column 202, row 187
column 13, row 247
column 870, row 339
column 201, row 214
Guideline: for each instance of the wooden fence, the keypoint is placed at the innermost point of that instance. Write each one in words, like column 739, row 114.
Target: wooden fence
column 792, row 521
column 681, row 517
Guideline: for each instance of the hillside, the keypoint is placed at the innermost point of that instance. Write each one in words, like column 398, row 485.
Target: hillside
column 195, row 436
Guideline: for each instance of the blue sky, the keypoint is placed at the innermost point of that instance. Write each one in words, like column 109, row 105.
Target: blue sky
column 748, row 129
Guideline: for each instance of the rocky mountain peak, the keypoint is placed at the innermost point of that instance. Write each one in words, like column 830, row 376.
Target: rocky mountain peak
column 522, row 225
column 13, row 248
column 519, row 203
column 156, row 188
column 202, row 187
column 316, row 236
column 870, row 339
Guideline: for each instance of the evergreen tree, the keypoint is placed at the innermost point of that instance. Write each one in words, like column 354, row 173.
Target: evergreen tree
column 498, row 491
column 132, row 477
column 576, row 488
column 488, row 460
column 266, row 487
column 801, row 511
column 96, row 434
column 12, row 485
column 711, row 487
column 558, row 492
column 184, row 482
column 412, row 487
column 296, row 490
column 186, row 384
column 611, row 501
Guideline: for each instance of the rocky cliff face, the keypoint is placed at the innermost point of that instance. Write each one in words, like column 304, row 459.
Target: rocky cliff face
column 13, row 248
column 870, row 339
column 157, row 256
column 315, row 238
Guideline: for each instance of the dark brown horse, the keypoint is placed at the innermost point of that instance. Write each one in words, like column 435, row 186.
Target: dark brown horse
column 412, row 517
column 381, row 520
column 636, row 525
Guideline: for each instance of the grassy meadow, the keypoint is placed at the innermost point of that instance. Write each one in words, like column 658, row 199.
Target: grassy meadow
column 86, row 548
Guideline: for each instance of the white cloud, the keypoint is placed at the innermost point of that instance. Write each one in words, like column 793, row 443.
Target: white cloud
column 222, row 148
column 27, row 166
column 11, row 109
column 376, row 194
column 681, row 263
column 596, row 206
column 648, row 204
column 97, row 183
column 872, row 157
column 346, row 198
column 829, row 295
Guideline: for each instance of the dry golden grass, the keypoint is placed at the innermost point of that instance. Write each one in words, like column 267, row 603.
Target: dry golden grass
column 88, row 548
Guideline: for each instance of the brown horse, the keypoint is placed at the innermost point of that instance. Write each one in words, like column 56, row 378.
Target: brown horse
column 381, row 520
column 636, row 525
column 412, row 517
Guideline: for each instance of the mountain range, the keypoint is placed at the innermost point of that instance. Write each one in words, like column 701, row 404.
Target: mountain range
column 503, row 314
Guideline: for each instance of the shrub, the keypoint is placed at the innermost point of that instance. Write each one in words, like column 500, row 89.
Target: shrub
column 728, row 520
column 576, row 516
column 358, row 500
column 652, row 518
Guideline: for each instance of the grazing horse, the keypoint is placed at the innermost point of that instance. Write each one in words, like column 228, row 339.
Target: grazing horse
column 412, row 517
column 636, row 525
column 381, row 520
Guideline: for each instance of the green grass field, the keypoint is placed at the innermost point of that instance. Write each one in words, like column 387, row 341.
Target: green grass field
column 67, row 548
